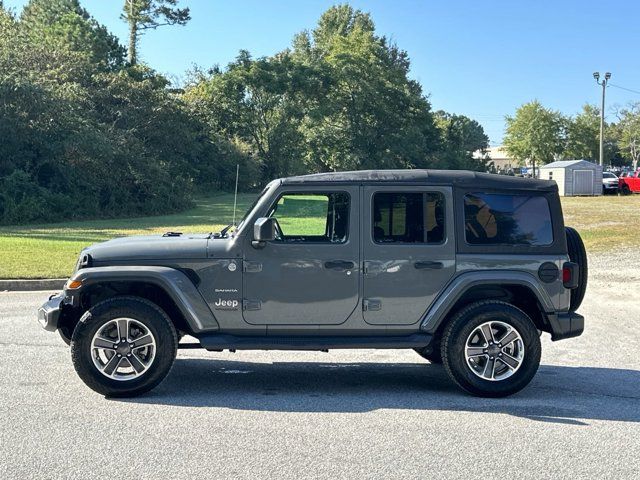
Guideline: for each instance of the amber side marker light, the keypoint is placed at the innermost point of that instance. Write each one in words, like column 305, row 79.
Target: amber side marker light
column 72, row 284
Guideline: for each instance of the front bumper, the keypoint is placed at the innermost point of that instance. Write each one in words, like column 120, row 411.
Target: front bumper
column 49, row 312
column 565, row 325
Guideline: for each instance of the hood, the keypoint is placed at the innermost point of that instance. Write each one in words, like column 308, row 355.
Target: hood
column 150, row 247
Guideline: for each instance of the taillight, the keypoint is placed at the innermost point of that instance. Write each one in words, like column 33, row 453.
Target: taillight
column 570, row 275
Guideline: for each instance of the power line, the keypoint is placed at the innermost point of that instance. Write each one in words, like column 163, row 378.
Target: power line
column 624, row 88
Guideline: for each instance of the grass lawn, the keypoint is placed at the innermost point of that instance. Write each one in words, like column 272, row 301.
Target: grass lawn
column 50, row 250
column 605, row 223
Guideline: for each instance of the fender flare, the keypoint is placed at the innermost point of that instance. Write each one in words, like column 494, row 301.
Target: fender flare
column 441, row 307
column 173, row 282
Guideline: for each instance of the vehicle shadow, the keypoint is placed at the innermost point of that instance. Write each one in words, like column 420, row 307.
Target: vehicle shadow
column 557, row 394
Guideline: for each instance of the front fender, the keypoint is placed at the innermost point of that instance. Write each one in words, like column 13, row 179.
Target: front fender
column 173, row 282
column 440, row 309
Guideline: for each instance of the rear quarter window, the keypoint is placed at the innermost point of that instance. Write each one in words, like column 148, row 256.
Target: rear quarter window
column 503, row 219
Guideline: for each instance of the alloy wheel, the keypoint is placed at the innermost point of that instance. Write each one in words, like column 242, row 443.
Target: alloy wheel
column 123, row 349
column 494, row 351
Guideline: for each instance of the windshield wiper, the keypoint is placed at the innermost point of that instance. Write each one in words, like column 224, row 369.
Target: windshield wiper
column 224, row 231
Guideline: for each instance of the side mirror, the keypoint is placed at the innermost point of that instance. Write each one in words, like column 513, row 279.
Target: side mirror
column 264, row 230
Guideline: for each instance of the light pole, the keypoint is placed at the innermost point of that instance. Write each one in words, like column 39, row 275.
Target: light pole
column 604, row 82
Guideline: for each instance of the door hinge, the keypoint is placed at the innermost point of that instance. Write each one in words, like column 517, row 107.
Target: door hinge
column 251, row 305
column 252, row 267
column 371, row 305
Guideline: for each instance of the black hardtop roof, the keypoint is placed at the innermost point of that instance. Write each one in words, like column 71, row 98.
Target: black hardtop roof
column 458, row 178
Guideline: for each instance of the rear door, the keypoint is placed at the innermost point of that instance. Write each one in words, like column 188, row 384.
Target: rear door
column 408, row 251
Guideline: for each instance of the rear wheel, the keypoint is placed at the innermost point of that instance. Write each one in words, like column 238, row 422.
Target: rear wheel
column 123, row 346
column 577, row 254
column 491, row 349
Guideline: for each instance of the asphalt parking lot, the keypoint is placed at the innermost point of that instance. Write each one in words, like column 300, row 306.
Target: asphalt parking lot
column 373, row 414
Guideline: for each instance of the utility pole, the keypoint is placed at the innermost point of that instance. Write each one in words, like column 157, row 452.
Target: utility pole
column 604, row 82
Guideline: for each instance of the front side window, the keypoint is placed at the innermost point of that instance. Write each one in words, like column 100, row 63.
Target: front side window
column 501, row 219
column 312, row 217
column 416, row 217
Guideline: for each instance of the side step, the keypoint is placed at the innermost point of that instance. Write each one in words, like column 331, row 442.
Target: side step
column 217, row 342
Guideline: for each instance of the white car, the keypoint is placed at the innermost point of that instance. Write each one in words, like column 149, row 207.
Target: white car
column 609, row 183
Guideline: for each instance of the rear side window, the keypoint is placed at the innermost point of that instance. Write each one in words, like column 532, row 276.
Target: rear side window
column 499, row 219
column 408, row 217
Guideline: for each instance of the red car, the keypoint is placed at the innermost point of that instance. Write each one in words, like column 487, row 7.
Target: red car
column 629, row 183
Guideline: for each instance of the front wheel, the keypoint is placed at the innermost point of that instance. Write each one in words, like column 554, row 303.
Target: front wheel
column 123, row 346
column 491, row 349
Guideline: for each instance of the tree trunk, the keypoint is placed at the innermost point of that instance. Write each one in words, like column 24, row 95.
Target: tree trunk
column 133, row 40
column 132, row 16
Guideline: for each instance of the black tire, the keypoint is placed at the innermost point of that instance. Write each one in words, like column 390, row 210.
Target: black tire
column 151, row 317
column 577, row 254
column 461, row 326
column 624, row 190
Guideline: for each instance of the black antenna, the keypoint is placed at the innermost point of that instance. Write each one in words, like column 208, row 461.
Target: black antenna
column 235, row 196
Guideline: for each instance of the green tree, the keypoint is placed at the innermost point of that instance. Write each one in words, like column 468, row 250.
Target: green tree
column 628, row 129
column 65, row 24
column 340, row 98
column 82, row 139
column 142, row 15
column 372, row 115
column 534, row 134
column 258, row 104
column 460, row 138
column 339, row 21
column 583, row 134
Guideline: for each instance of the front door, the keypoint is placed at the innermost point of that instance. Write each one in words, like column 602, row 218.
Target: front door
column 408, row 251
column 309, row 275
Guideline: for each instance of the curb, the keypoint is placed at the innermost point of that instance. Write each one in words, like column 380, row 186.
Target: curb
column 32, row 285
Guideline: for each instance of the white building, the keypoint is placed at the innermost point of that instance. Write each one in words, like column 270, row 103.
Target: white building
column 574, row 177
column 501, row 160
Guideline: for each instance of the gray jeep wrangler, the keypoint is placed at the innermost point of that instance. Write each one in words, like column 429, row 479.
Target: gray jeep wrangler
column 467, row 269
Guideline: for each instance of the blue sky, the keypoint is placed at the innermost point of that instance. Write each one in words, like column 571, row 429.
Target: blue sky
column 478, row 58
